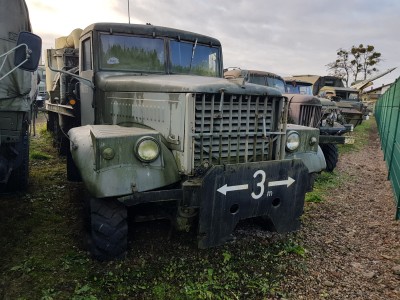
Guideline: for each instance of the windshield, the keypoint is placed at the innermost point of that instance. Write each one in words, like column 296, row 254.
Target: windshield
column 346, row 95
column 194, row 58
column 353, row 96
column 276, row 83
column 268, row 81
column 120, row 52
column 295, row 88
column 143, row 54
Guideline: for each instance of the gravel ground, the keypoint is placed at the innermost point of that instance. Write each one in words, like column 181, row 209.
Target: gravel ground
column 352, row 237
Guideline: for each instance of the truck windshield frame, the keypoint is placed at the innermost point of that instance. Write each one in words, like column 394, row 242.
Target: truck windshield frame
column 119, row 52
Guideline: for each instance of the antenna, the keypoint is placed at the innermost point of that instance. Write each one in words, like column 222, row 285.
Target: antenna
column 129, row 14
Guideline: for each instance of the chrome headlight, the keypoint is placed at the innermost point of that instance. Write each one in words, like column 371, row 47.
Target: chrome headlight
column 292, row 141
column 147, row 149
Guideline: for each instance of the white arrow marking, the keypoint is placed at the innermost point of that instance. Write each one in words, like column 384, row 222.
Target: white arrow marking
column 224, row 189
column 287, row 182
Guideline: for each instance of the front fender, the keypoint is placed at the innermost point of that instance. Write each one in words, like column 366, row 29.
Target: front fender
column 123, row 173
column 314, row 161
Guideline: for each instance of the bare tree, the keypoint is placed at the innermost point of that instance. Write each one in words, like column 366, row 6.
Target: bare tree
column 342, row 66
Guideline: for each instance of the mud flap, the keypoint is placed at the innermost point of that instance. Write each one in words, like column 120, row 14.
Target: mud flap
column 234, row 192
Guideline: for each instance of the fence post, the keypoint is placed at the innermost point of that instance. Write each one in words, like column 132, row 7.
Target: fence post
column 395, row 130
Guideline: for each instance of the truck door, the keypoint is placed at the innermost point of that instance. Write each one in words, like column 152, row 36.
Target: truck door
column 86, row 92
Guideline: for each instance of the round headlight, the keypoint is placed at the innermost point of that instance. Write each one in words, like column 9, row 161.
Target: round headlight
column 292, row 141
column 147, row 149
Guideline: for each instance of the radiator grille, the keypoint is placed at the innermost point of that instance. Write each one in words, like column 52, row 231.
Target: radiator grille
column 240, row 128
column 310, row 115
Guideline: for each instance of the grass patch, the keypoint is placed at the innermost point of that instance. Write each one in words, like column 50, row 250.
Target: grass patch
column 361, row 134
column 39, row 155
column 324, row 183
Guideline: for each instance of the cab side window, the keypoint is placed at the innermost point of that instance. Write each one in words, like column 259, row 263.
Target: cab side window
column 87, row 55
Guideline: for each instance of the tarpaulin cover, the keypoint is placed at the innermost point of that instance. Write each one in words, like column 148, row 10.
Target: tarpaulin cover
column 16, row 87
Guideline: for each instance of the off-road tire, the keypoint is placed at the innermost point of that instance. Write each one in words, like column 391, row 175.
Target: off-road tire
column 109, row 229
column 331, row 154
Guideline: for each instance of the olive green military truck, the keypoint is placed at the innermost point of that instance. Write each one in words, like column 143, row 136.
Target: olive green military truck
column 305, row 109
column 153, row 124
column 20, row 51
column 347, row 100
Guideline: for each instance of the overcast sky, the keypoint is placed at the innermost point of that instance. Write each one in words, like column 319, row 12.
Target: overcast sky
column 287, row 37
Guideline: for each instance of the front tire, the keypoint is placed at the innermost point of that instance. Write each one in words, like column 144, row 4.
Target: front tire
column 109, row 229
column 331, row 154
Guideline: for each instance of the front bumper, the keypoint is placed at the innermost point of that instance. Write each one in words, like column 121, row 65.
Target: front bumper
column 230, row 193
column 226, row 194
column 335, row 139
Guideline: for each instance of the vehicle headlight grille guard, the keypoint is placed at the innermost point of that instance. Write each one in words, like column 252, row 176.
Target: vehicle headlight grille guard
column 236, row 128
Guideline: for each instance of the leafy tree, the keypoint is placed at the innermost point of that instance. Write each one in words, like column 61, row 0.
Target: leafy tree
column 359, row 60
column 365, row 59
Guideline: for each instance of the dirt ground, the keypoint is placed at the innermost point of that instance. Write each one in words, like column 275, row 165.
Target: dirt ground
column 352, row 238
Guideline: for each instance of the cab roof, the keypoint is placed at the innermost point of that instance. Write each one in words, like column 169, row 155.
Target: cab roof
column 151, row 30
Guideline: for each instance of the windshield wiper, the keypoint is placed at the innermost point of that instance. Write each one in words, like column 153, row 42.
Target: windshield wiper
column 191, row 59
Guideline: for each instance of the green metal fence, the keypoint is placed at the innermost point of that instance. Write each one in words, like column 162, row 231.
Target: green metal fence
column 387, row 114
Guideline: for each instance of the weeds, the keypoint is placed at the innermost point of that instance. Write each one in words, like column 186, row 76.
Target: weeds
column 39, row 155
column 323, row 185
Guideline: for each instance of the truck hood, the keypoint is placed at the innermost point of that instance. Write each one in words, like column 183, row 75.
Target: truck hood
column 327, row 102
column 303, row 99
column 178, row 84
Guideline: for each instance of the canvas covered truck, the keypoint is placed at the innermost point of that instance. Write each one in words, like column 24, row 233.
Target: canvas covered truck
column 148, row 122
column 20, row 51
column 305, row 109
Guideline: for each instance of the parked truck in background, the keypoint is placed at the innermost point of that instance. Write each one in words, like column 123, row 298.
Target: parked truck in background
column 304, row 109
column 332, row 88
column 146, row 120
column 20, row 51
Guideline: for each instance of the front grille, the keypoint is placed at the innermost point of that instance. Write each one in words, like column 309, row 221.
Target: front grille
column 310, row 115
column 240, row 128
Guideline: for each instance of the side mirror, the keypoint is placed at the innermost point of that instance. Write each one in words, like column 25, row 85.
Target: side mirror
column 28, row 51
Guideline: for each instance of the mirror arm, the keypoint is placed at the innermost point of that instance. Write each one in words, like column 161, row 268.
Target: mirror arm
column 9, row 52
column 85, row 81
